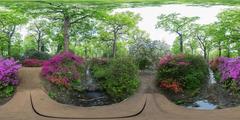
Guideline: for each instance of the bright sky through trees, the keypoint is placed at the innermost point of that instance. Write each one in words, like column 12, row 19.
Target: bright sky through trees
column 207, row 15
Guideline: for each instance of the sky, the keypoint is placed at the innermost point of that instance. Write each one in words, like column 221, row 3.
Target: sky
column 149, row 17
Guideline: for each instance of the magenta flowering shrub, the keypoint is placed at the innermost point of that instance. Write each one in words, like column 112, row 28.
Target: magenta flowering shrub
column 229, row 68
column 8, row 72
column 178, row 60
column 63, row 68
column 32, row 63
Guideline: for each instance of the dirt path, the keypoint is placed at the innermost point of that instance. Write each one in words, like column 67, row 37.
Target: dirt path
column 155, row 107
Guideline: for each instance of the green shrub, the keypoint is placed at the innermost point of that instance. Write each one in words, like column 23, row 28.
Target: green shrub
column 143, row 63
column 6, row 91
column 121, row 79
column 98, row 67
column 189, row 71
column 34, row 54
column 118, row 77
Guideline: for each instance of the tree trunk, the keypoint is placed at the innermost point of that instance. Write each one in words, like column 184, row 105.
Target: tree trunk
column 66, row 27
column 9, row 47
column 114, row 45
column 181, row 43
column 59, row 48
column 85, row 52
column 228, row 52
column 38, row 41
column 10, row 40
column 219, row 51
column 38, row 45
column 205, row 53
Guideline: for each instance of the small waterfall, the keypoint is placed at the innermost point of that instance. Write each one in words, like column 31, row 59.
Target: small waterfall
column 204, row 104
column 90, row 83
column 212, row 79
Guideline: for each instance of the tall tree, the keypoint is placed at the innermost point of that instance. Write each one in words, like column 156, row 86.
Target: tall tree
column 38, row 29
column 176, row 24
column 9, row 20
column 201, row 34
column 118, row 25
column 67, row 14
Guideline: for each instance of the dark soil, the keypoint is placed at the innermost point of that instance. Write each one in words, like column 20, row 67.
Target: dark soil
column 4, row 100
column 84, row 98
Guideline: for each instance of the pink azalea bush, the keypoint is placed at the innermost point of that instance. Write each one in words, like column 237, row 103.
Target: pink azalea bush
column 32, row 63
column 8, row 77
column 229, row 68
column 63, row 68
column 8, row 72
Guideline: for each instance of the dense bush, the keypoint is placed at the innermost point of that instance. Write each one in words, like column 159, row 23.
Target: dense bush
column 121, row 78
column 32, row 63
column 8, row 76
column 98, row 67
column 34, row 54
column 63, row 69
column 229, row 71
column 181, row 73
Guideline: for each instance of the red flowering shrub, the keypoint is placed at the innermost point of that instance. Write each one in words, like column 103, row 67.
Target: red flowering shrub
column 32, row 63
column 172, row 86
column 181, row 72
column 63, row 69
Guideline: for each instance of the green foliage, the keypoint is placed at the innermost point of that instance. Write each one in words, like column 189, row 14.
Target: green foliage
column 6, row 91
column 121, row 80
column 77, row 85
column 117, row 77
column 232, row 86
column 188, row 70
column 34, row 54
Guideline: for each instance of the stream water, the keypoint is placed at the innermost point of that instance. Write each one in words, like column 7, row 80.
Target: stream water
column 93, row 96
column 203, row 104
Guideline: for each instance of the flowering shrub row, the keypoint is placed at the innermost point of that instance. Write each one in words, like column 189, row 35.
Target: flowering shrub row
column 8, row 76
column 62, row 69
column 32, row 63
column 229, row 68
column 178, row 73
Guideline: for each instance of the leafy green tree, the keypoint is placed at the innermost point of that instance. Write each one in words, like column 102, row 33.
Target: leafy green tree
column 67, row 15
column 229, row 24
column 176, row 24
column 38, row 31
column 201, row 34
column 9, row 21
column 118, row 25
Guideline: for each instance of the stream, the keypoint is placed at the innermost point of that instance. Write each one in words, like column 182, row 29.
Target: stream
column 204, row 104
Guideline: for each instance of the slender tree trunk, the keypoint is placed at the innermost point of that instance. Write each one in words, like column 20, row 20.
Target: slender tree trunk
column 205, row 53
column 10, row 40
column 59, row 48
column 228, row 52
column 192, row 50
column 66, row 27
column 114, row 44
column 85, row 52
column 219, row 51
column 181, row 43
column 38, row 45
